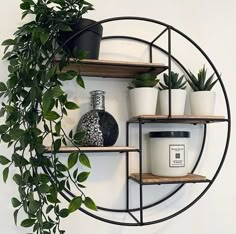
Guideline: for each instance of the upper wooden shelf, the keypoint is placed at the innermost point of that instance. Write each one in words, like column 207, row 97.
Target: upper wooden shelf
column 69, row 149
column 114, row 69
column 148, row 179
column 177, row 119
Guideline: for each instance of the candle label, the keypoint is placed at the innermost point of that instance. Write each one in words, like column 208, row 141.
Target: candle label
column 176, row 155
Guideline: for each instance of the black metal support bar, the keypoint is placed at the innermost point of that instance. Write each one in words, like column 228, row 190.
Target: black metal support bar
column 141, row 171
column 127, row 167
column 153, row 41
column 135, row 219
column 169, row 71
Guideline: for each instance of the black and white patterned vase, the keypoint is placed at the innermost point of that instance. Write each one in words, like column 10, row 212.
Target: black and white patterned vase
column 100, row 127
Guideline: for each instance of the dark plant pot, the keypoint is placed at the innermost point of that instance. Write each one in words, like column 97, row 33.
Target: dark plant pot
column 89, row 40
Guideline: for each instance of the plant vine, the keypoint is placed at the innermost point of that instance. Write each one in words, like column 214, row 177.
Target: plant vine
column 34, row 105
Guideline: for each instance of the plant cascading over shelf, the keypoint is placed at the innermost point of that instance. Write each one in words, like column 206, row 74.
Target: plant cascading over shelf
column 33, row 107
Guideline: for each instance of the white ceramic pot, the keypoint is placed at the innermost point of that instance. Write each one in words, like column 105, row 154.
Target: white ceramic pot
column 202, row 102
column 178, row 98
column 169, row 153
column 143, row 101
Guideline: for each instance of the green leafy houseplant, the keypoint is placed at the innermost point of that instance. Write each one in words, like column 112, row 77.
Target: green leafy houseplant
column 33, row 107
column 201, row 82
column 142, row 80
column 173, row 82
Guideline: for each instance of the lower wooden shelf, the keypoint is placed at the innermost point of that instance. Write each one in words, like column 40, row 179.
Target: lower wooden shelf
column 148, row 179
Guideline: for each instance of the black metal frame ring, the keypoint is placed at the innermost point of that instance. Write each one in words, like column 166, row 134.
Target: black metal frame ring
column 68, row 194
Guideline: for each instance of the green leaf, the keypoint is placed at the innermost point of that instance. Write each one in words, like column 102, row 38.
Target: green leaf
column 48, row 101
column 84, row 160
column 65, row 76
column 4, row 160
column 6, row 138
column 48, row 225
column 5, row 174
column 28, row 222
column 53, row 199
column 51, row 115
column 7, row 55
column 80, row 81
column 89, row 203
column 34, row 206
column 83, row 176
column 61, row 167
column 73, row 159
column 79, row 136
column 57, row 145
column 64, row 213
column 8, row 42
column 75, row 173
column 17, row 133
column 25, row 6
column 71, row 106
column 44, row 37
column 15, row 202
column 75, row 204
column 49, row 208
column 15, row 216
column 65, row 28
column 43, row 178
column 17, row 178
column 3, row 128
column 19, row 160
column 3, row 87
column 51, row 72
column 44, row 188
column 57, row 91
column 58, row 128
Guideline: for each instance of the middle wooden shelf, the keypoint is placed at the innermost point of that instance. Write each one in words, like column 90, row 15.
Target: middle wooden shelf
column 119, row 149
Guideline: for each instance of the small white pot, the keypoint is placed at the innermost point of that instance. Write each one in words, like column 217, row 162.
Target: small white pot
column 178, row 98
column 143, row 101
column 202, row 102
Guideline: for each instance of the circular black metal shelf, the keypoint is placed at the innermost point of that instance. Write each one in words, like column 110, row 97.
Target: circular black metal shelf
column 68, row 195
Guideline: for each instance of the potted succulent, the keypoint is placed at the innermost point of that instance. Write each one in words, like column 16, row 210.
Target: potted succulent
column 202, row 99
column 178, row 94
column 33, row 109
column 70, row 15
column 143, row 94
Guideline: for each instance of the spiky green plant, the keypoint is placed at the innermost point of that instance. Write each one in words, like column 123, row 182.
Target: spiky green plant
column 173, row 82
column 201, row 82
column 146, row 79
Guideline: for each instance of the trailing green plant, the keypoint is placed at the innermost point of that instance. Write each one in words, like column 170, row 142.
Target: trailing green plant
column 173, row 82
column 33, row 107
column 201, row 82
column 146, row 79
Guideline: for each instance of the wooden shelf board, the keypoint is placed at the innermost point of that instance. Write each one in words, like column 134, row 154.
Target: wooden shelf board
column 179, row 119
column 114, row 69
column 148, row 178
column 68, row 149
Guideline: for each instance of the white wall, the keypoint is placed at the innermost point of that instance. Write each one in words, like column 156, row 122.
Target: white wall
column 210, row 24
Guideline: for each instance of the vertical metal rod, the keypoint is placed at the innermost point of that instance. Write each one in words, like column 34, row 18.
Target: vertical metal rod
column 140, row 172
column 169, row 64
column 150, row 53
column 127, row 167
